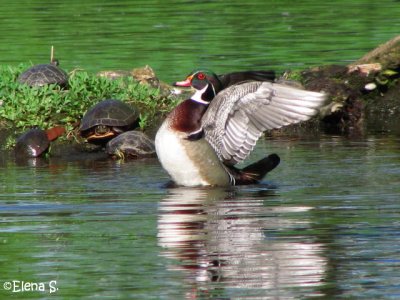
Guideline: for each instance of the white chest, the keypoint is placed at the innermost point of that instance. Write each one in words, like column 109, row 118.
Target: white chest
column 188, row 163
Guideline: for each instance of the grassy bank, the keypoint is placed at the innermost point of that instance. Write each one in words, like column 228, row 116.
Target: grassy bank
column 23, row 107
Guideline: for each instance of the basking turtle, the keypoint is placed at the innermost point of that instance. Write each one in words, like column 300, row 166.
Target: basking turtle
column 36, row 142
column 43, row 74
column 107, row 119
column 131, row 144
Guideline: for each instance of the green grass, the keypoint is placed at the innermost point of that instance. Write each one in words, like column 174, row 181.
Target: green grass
column 24, row 107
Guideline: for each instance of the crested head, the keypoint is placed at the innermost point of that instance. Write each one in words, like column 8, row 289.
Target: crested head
column 198, row 79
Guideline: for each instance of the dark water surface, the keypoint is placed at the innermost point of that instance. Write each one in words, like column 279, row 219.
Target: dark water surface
column 324, row 224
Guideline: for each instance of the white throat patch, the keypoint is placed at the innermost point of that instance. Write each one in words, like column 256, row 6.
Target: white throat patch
column 197, row 96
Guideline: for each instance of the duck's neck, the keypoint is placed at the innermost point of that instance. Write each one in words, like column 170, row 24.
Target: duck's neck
column 205, row 95
column 186, row 117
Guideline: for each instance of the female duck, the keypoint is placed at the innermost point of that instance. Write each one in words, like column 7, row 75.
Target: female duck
column 201, row 140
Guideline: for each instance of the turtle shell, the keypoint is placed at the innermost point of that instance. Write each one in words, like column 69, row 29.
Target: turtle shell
column 43, row 74
column 32, row 143
column 110, row 113
column 133, row 144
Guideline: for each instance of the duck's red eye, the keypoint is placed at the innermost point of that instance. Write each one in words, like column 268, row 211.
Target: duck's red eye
column 201, row 76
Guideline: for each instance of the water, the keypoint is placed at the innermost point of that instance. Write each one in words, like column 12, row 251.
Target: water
column 175, row 37
column 324, row 224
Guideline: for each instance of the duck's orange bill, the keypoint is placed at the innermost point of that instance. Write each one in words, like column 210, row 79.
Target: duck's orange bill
column 186, row 83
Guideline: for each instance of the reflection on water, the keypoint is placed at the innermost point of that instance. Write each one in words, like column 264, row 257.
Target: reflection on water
column 324, row 224
column 215, row 237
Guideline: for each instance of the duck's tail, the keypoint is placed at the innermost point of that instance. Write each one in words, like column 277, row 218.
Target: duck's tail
column 256, row 171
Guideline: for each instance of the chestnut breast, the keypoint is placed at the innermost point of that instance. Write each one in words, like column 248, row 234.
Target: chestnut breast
column 186, row 117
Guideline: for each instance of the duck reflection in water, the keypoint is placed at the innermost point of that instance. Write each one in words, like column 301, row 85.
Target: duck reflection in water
column 222, row 243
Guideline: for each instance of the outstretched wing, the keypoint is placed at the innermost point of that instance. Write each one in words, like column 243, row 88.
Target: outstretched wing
column 238, row 115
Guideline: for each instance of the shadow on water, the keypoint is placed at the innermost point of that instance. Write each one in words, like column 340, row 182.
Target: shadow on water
column 230, row 242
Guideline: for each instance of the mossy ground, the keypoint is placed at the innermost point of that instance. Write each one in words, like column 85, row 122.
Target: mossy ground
column 23, row 107
column 354, row 107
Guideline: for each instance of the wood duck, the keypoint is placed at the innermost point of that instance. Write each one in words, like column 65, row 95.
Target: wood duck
column 225, row 80
column 202, row 139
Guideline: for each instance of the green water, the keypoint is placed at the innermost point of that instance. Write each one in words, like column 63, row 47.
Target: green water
column 324, row 224
column 176, row 36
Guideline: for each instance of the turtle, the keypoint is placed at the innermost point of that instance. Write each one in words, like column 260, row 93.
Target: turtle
column 44, row 74
column 131, row 144
column 36, row 141
column 107, row 119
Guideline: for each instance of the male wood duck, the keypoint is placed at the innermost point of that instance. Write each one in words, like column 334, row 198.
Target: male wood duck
column 225, row 80
column 206, row 135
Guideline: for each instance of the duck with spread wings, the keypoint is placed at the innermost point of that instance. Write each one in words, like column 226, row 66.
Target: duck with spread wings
column 205, row 136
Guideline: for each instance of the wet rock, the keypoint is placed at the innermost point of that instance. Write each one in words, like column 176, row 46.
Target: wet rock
column 382, row 110
column 146, row 75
